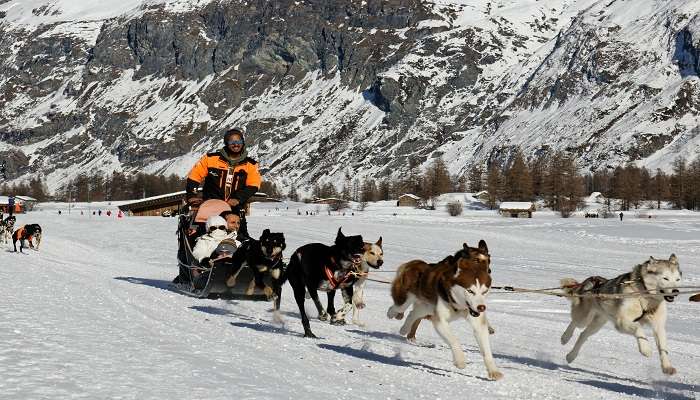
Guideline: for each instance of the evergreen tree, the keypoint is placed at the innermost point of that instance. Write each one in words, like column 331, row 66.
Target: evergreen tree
column 679, row 182
column 384, row 190
column 475, row 177
column 518, row 180
column 494, row 185
column 293, row 195
column 436, row 179
column 660, row 187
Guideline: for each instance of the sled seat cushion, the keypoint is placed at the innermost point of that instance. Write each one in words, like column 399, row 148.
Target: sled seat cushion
column 209, row 208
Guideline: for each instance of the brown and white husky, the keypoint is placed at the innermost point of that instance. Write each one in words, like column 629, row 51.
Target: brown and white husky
column 456, row 287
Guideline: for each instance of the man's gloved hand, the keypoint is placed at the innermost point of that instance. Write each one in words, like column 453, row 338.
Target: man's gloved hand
column 194, row 201
column 233, row 202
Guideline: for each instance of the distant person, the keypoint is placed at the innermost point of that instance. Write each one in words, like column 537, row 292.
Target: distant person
column 10, row 205
column 109, row 213
column 120, row 214
column 621, row 215
column 99, row 213
column 81, row 213
column 59, row 213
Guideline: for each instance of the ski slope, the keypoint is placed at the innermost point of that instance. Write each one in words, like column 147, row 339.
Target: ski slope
column 90, row 314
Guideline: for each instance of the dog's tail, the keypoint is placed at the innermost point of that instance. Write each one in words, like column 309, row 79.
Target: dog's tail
column 293, row 265
column 399, row 286
column 569, row 286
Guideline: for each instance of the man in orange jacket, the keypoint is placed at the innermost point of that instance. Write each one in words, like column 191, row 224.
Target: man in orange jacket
column 227, row 174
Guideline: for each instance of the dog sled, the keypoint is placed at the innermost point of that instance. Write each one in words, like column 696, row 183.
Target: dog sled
column 219, row 278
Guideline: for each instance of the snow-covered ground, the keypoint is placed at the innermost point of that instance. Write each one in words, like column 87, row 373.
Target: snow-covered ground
column 90, row 315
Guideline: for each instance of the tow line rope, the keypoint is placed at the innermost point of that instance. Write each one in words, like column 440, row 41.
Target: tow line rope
column 555, row 291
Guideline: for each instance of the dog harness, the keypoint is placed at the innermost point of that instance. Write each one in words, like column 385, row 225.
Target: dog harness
column 339, row 278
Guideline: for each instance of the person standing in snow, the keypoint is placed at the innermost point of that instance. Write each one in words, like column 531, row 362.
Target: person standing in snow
column 227, row 174
column 621, row 215
column 10, row 205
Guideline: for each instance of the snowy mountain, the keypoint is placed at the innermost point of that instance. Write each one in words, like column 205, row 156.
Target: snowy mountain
column 345, row 87
column 90, row 315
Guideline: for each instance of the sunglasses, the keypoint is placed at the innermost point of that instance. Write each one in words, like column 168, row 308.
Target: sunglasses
column 213, row 228
column 234, row 142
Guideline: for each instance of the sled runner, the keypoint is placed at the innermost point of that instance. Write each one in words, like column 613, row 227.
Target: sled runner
column 219, row 277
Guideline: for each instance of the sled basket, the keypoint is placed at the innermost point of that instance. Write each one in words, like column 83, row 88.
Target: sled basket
column 213, row 281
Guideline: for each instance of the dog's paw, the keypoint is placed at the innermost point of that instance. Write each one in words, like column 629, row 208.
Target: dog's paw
column 358, row 323
column 460, row 363
column 495, row 375
column 669, row 370
column 277, row 318
column 310, row 334
column 269, row 292
column 644, row 347
column 360, row 305
column 571, row 357
column 491, row 330
column 566, row 337
column 338, row 321
column 323, row 316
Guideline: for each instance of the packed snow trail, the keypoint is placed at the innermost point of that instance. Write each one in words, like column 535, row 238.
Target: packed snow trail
column 90, row 315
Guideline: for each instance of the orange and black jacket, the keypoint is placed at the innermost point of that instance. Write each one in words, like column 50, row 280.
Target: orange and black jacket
column 222, row 180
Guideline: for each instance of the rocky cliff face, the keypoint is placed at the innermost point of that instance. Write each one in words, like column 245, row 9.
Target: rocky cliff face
column 344, row 87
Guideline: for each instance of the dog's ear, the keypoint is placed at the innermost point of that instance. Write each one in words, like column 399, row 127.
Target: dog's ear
column 483, row 247
column 465, row 246
column 673, row 259
column 266, row 232
column 379, row 242
column 340, row 233
column 651, row 265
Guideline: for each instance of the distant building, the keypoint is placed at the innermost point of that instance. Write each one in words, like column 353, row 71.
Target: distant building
column 170, row 204
column 408, row 200
column 482, row 196
column 5, row 205
column 516, row 209
column 329, row 200
column 28, row 202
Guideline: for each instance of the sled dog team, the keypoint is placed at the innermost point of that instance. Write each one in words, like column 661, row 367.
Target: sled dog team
column 29, row 233
column 456, row 287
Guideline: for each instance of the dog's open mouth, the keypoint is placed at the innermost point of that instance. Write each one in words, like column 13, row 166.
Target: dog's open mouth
column 671, row 297
column 473, row 313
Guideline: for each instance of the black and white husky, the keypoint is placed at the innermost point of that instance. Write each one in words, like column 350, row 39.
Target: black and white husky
column 6, row 227
column 602, row 300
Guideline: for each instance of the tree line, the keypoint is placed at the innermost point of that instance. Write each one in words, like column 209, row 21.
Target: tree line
column 554, row 178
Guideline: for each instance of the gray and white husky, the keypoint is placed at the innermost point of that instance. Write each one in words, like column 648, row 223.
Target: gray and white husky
column 627, row 311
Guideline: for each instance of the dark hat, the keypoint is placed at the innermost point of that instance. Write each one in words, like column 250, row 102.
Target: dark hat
column 235, row 130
